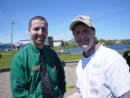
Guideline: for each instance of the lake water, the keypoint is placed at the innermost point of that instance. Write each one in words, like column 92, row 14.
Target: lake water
column 117, row 47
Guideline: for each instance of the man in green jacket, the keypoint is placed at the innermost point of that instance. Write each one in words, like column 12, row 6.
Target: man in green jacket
column 25, row 73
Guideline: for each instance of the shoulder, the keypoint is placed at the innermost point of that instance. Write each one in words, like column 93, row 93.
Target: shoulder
column 108, row 52
column 110, row 58
column 50, row 54
column 22, row 51
column 49, row 50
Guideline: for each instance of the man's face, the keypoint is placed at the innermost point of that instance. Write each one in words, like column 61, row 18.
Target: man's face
column 38, row 31
column 84, row 36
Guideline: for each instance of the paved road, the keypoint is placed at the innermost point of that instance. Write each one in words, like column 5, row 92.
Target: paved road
column 5, row 91
column 5, row 85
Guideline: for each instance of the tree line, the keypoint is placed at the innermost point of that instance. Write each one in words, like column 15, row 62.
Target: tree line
column 71, row 43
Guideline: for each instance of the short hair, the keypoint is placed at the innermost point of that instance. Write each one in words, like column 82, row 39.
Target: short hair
column 37, row 18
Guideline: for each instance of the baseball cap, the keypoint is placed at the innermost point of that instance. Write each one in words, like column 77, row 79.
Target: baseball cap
column 84, row 19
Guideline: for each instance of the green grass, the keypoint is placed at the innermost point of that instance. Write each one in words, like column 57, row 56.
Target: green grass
column 7, row 57
column 5, row 61
column 68, row 57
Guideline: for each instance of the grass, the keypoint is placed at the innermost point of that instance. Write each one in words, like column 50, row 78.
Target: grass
column 68, row 57
column 7, row 56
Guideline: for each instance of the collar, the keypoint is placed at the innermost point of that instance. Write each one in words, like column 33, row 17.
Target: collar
column 92, row 50
column 35, row 49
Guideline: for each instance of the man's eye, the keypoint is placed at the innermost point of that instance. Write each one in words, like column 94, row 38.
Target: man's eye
column 36, row 29
column 76, row 33
column 43, row 29
column 87, row 30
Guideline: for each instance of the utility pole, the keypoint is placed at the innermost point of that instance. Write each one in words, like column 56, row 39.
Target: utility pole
column 12, row 23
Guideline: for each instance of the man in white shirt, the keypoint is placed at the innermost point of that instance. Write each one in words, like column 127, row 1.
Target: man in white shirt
column 101, row 72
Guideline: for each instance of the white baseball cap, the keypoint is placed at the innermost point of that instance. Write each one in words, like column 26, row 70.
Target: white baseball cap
column 84, row 19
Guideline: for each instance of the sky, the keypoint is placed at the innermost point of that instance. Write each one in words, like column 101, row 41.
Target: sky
column 111, row 18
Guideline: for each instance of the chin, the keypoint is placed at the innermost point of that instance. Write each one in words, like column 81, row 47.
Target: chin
column 84, row 44
column 39, row 42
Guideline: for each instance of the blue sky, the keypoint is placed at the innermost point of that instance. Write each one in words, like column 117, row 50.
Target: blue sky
column 111, row 18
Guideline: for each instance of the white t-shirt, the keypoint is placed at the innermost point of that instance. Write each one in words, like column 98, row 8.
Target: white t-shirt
column 105, row 74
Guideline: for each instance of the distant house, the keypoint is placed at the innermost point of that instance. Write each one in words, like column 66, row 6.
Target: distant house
column 24, row 42
column 21, row 43
column 58, row 43
column 48, row 42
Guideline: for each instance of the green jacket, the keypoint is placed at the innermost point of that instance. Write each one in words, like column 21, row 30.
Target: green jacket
column 25, row 73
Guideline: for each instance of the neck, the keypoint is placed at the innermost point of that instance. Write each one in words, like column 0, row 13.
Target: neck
column 88, row 53
column 92, row 50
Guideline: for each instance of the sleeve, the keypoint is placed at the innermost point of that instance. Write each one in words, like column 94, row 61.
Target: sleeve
column 61, row 75
column 17, row 80
column 116, row 76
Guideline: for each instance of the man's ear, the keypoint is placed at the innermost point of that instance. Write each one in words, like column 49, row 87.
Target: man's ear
column 29, row 31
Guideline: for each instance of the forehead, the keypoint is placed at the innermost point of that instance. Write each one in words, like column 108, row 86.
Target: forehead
column 37, row 22
column 80, row 25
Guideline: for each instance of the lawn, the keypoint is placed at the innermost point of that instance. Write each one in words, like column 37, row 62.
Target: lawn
column 68, row 57
column 7, row 56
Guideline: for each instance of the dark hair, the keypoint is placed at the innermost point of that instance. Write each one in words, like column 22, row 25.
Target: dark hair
column 37, row 17
column 92, row 28
column 127, row 57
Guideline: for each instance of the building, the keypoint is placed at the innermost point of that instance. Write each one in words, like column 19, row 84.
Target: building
column 48, row 42
column 58, row 43
column 24, row 42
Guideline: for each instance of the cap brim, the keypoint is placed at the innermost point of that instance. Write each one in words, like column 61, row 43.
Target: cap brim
column 73, row 23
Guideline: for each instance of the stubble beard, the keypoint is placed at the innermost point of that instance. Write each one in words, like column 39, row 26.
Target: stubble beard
column 86, row 48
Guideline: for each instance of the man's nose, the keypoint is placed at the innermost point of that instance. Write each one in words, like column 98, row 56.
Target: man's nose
column 81, row 34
